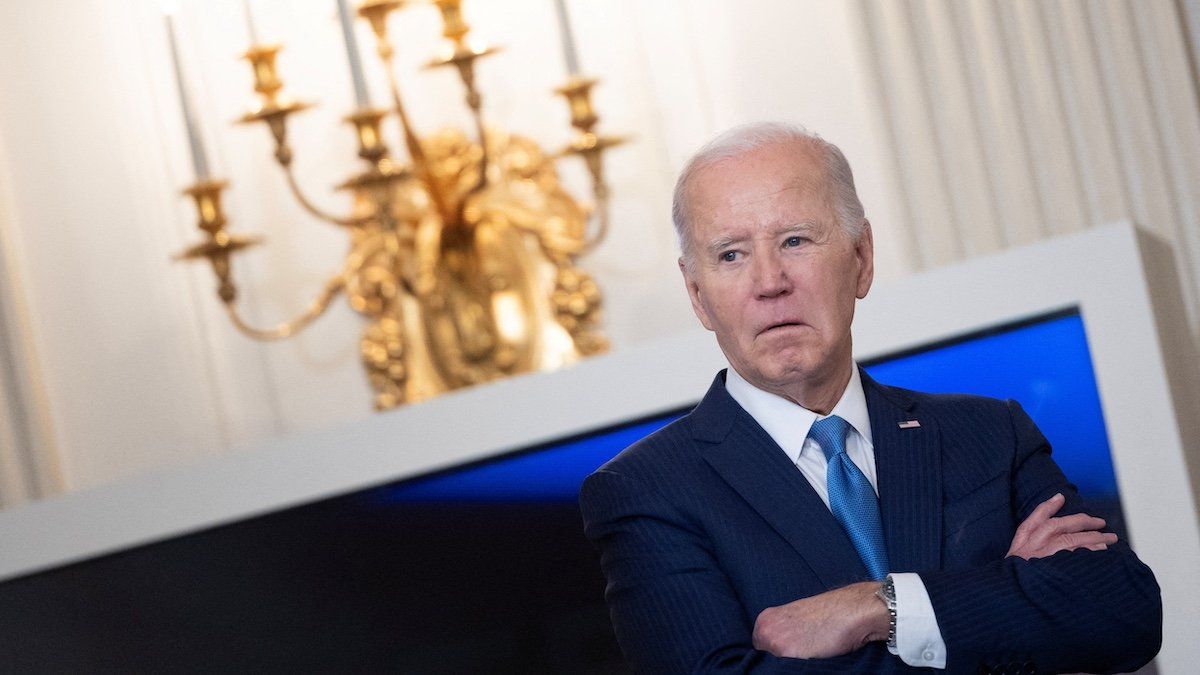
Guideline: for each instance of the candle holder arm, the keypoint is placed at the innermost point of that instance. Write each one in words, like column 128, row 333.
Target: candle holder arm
column 310, row 207
column 275, row 114
column 287, row 329
column 335, row 285
column 590, row 148
column 600, row 193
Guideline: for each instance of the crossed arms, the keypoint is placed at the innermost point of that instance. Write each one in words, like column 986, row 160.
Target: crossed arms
column 675, row 609
column 847, row 619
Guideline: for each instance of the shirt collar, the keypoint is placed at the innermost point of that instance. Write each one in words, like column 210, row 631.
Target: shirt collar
column 788, row 423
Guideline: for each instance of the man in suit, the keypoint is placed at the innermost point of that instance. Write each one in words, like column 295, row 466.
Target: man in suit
column 804, row 518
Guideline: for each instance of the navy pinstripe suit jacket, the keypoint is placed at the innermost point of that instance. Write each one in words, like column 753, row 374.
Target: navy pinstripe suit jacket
column 705, row 523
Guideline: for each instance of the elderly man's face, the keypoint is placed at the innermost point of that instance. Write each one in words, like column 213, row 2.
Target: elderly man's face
column 773, row 275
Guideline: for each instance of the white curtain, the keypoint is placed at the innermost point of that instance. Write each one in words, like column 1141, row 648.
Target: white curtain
column 28, row 458
column 1016, row 120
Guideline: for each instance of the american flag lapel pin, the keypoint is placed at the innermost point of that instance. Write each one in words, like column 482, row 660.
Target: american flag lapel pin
column 910, row 424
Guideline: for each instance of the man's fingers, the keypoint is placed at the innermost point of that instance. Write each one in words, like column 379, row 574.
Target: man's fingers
column 1047, row 508
column 1087, row 539
column 1036, row 520
column 1040, row 515
column 1078, row 522
column 1042, row 535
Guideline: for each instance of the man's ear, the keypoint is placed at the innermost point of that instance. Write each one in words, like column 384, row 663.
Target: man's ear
column 693, row 289
column 864, row 252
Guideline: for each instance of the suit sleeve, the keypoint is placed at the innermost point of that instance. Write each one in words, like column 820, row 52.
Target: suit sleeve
column 673, row 609
column 1094, row 611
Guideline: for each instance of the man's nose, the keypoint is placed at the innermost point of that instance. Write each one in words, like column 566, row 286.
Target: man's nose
column 770, row 277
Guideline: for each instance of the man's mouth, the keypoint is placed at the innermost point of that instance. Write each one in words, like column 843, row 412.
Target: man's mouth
column 782, row 324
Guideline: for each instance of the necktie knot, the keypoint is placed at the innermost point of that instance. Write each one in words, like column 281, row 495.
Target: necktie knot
column 830, row 434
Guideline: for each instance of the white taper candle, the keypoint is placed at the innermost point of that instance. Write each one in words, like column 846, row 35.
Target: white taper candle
column 356, row 70
column 199, row 158
column 251, row 29
column 570, row 54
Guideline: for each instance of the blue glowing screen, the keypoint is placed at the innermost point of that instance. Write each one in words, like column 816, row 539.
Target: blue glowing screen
column 553, row 473
column 1045, row 365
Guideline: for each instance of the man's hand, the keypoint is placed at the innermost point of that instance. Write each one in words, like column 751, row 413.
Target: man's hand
column 1041, row 535
column 830, row 624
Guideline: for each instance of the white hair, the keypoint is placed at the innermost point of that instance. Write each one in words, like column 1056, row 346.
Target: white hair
column 744, row 139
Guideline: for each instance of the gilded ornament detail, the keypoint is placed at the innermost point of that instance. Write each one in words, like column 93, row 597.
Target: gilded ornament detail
column 463, row 258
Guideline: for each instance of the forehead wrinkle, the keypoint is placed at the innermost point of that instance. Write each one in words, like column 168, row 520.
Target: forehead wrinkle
column 711, row 190
column 797, row 226
column 804, row 173
column 739, row 199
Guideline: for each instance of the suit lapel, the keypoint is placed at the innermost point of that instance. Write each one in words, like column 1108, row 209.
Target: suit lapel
column 746, row 457
column 909, row 470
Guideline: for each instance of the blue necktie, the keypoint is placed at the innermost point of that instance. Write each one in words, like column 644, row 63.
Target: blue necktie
column 851, row 497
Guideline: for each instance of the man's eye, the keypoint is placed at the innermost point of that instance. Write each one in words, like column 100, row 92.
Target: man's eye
column 793, row 241
column 729, row 256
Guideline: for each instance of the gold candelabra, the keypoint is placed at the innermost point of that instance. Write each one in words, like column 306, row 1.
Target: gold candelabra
column 462, row 256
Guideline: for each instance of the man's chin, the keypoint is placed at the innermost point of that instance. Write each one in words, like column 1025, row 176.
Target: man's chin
column 792, row 361
column 790, row 374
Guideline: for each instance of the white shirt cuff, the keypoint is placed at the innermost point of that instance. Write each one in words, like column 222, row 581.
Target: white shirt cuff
column 918, row 639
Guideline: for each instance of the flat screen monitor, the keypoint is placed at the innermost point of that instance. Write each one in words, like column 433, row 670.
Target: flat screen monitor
column 481, row 568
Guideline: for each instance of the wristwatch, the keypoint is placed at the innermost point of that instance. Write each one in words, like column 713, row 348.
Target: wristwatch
column 887, row 593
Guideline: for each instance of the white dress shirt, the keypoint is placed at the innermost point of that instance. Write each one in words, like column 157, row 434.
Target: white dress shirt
column 918, row 639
